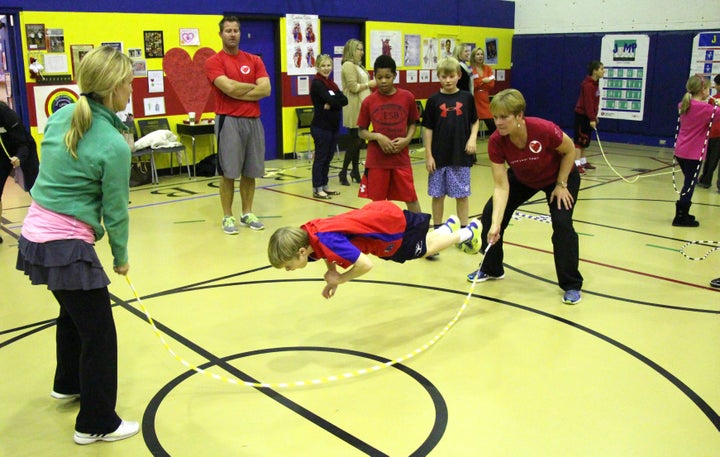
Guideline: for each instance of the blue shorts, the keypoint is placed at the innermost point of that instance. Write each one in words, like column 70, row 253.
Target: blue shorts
column 413, row 244
column 453, row 182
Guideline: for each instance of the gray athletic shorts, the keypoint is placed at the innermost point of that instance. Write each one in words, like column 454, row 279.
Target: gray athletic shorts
column 241, row 146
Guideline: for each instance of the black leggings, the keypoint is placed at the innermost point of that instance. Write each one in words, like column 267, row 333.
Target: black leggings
column 352, row 151
column 87, row 357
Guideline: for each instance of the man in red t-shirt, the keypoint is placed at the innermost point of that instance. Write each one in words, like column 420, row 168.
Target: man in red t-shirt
column 239, row 81
column 586, row 113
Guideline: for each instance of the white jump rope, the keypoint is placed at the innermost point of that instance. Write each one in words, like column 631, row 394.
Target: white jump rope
column 316, row 381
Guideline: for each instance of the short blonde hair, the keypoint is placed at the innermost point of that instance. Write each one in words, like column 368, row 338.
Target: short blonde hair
column 448, row 65
column 285, row 243
column 349, row 50
column 320, row 59
column 508, row 101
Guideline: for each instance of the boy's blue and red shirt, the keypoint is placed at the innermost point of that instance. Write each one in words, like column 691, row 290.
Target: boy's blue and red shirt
column 377, row 228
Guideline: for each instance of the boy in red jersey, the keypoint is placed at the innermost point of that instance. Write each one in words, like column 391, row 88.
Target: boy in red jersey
column 393, row 114
column 380, row 228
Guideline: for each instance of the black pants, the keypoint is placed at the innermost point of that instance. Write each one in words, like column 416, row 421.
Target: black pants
column 711, row 163
column 690, row 169
column 325, row 143
column 87, row 357
column 564, row 239
column 352, row 152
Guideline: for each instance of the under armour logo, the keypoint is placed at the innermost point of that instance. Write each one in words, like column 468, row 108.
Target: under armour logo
column 457, row 108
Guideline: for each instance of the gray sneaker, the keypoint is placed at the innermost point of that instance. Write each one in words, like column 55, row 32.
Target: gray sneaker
column 228, row 225
column 251, row 220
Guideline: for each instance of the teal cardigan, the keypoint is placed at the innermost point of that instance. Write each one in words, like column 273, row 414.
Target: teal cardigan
column 94, row 188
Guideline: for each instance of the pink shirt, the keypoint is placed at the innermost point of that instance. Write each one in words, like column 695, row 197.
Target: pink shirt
column 42, row 225
column 694, row 125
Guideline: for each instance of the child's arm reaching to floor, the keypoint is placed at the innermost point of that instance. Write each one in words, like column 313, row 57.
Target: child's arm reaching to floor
column 333, row 279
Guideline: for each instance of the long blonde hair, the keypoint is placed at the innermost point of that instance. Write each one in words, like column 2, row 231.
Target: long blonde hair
column 101, row 71
column 472, row 58
column 695, row 85
column 351, row 46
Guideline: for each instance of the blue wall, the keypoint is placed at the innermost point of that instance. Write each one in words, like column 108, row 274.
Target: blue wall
column 481, row 13
column 548, row 70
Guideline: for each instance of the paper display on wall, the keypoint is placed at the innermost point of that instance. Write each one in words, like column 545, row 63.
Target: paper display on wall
column 386, row 43
column 706, row 55
column 622, row 89
column 302, row 31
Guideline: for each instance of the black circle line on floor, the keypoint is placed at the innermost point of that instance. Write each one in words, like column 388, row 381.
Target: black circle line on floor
column 438, row 429
column 691, row 394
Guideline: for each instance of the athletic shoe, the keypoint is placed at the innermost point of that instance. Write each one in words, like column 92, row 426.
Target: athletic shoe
column 580, row 169
column 482, row 276
column 59, row 396
column 453, row 223
column 228, row 225
column 715, row 283
column 703, row 185
column 472, row 246
column 125, row 430
column 432, row 256
column 589, row 166
column 572, row 297
column 251, row 220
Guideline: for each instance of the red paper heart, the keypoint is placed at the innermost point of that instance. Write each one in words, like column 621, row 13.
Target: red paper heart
column 187, row 77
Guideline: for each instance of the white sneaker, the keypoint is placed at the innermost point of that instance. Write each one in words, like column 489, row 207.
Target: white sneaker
column 59, row 396
column 125, row 430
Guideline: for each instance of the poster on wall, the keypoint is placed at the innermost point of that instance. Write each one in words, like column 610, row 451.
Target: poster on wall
column 447, row 46
column 303, row 43
column 491, row 51
column 430, row 54
column 49, row 99
column 412, row 50
column 706, row 55
column 387, row 43
column 35, row 36
column 622, row 89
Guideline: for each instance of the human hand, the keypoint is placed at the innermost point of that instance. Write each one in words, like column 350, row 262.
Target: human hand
column 493, row 235
column 329, row 291
column 15, row 161
column 430, row 164
column 327, row 106
column 471, row 146
column 122, row 269
column 387, row 146
column 563, row 196
column 400, row 143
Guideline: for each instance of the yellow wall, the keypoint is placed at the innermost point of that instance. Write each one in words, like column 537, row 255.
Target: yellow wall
column 94, row 28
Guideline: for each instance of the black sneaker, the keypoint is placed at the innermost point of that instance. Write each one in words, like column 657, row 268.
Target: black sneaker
column 715, row 283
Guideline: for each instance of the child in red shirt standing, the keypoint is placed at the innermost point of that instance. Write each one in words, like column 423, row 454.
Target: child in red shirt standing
column 393, row 114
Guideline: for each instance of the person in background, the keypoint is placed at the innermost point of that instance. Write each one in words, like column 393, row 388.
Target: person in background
column 380, row 228
column 80, row 193
column 483, row 78
column 539, row 158
column 713, row 149
column 239, row 80
column 586, row 113
column 450, row 140
column 356, row 85
column 461, row 53
column 691, row 143
column 327, row 101
column 17, row 143
column 393, row 114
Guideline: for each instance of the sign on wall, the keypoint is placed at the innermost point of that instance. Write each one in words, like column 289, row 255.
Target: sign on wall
column 622, row 89
column 706, row 54
column 303, row 43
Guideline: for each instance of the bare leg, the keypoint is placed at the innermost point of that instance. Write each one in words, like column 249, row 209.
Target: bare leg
column 438, row 207
column 414, row 206
column 227, row 191
column 462, row 206
column 436, row 241
column 247, row 193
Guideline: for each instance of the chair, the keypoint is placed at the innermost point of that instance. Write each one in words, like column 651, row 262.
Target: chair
column 150, row 125
column 302, row 128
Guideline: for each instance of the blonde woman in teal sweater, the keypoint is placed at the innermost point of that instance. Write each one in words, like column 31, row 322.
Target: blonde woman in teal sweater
column 82, row 192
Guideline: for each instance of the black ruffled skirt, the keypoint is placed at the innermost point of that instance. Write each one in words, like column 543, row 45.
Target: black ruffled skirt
column 61, row 264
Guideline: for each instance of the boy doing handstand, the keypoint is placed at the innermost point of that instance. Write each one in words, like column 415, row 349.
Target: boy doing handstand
column 380, row 228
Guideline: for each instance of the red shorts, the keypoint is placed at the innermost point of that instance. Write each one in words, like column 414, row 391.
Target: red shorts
column 391, row 184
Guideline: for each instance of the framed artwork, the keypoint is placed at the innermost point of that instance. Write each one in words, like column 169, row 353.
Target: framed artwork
column 77, row 52
column 35, row 35
column 117, row 45
column 153, row 43
column 135, row 53
column 55, row 40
